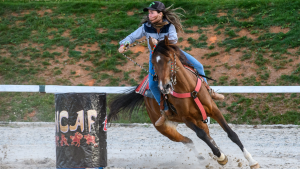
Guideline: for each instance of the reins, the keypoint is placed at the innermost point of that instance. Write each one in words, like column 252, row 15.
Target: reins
column 126, row 47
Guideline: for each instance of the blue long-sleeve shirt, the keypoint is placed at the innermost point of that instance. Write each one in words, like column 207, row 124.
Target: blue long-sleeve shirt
column 147, row 30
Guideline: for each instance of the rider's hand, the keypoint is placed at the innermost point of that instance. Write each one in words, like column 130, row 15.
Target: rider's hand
column 121, row 49
column 154, row 41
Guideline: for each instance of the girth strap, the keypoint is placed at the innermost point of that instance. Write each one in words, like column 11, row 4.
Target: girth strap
column 193, row 94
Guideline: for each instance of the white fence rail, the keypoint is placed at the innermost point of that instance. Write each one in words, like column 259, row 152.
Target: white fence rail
column 115, row 90
column 61, row 89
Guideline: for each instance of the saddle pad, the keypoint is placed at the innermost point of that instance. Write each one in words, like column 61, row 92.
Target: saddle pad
column 141, row 89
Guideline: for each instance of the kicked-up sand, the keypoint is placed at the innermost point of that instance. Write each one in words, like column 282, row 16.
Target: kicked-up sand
column 32, row 145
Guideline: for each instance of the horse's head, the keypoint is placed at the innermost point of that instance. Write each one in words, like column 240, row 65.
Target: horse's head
column 164, row 63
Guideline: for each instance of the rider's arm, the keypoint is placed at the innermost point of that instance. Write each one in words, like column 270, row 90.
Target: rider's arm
column 173, row 34
column 137, row 34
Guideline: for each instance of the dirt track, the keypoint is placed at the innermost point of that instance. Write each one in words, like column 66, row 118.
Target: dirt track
column 32, row 145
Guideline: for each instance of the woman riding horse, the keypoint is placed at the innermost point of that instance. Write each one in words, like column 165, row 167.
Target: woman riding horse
column 191, row 102
column 159, row 23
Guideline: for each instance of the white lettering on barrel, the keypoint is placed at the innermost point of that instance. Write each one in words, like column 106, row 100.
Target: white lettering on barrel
column 57, row 121
column 65, row 128
column 79, row 121
column 91, row 113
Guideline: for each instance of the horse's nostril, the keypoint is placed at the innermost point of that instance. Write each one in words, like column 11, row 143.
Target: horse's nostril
column 168, row 86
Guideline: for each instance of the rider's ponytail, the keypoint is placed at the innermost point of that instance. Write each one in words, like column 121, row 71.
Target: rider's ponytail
column 174, row 17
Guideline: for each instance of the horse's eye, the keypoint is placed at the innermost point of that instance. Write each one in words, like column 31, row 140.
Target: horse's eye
column 169, row 61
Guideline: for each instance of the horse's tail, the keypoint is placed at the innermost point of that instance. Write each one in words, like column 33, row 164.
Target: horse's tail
column 128, row 102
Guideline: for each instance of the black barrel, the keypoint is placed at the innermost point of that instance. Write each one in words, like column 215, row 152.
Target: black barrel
column 80, row 137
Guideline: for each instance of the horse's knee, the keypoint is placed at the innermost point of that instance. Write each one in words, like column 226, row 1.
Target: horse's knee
column 187, row 140
column 169, row 130
column 176, row 139
column 180, row 138
column 233, row 136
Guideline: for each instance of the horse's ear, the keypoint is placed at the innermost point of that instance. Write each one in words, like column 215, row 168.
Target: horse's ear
column 166, row 40
column 151, row 43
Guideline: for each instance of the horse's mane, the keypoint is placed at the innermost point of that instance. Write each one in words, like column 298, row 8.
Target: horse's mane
column 164, row 49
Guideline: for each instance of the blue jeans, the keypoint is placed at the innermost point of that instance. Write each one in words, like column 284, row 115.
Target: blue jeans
column 153, row 85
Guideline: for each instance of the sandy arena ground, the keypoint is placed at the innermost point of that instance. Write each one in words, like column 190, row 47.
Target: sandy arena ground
column 32, row 145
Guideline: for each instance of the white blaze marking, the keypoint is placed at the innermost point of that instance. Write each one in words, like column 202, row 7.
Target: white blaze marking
column 160, row 85
column 249, row 157
column 157, row 58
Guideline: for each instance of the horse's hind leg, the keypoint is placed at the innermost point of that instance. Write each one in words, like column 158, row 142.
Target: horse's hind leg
column 201, row 133
column 217, row 115
column 169, row 130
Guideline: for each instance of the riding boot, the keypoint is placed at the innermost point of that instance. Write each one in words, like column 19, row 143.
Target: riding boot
column 162, row 118
column 214, row 95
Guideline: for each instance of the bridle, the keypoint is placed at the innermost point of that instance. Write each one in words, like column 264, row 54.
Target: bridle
column 173, row 69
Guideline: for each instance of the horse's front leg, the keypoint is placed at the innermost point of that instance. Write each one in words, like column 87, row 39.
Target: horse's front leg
column 234, row 138
column 221, row 158
column 217, row 115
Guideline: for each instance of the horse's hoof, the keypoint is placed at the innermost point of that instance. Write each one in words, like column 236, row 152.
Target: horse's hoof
column 255, row 166
column 224, row 161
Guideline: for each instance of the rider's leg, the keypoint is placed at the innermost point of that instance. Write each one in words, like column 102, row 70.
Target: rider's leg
column 195, row 63
column 153, row 85
column 199, row 67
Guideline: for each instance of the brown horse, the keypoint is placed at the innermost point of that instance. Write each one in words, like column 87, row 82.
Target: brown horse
column 164, row 55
